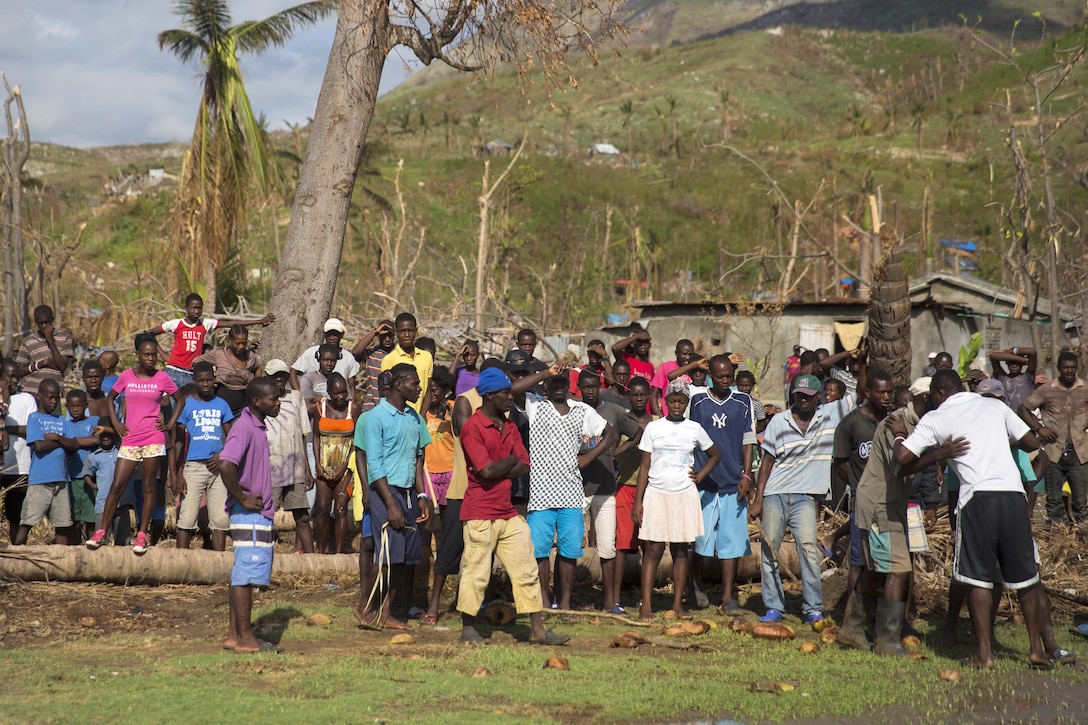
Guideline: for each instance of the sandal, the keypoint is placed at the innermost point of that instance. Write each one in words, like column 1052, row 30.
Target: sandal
column 1081, row 630
column 473, row 637
column 1063, row 657
column 428, row 619
column 551, row 638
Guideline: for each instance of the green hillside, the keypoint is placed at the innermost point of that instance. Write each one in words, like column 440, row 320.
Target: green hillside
column 829, row 109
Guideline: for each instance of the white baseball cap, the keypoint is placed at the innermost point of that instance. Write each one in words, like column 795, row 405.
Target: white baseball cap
column 333, row 324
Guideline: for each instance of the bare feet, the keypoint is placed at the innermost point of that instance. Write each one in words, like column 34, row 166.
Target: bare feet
column 975, row 661
column 391, row 622
column 646, row 615
column 682, row 613
column 365, row 616
column 230, row 643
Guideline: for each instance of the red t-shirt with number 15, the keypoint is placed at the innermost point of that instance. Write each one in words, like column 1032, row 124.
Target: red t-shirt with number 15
column 188, row 340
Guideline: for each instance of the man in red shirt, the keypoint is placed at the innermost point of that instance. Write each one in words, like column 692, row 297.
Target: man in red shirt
column 494, row 454
column 635, row 350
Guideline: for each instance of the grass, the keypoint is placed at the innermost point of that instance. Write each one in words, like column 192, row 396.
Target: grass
column 339, row 674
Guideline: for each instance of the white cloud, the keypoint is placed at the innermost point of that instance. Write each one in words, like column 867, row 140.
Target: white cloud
column 92, row 73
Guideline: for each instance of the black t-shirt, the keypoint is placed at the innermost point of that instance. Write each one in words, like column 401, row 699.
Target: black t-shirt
column 616, row 399
column 599, row 477
column 854, row 440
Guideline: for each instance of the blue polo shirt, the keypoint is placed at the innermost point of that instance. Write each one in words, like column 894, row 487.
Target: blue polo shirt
column 394, row 440
column 203, row 421
column 730, row 423
column 51, row 467
column 802, row 463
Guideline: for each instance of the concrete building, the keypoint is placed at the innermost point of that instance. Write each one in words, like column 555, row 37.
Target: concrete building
column 946, row 310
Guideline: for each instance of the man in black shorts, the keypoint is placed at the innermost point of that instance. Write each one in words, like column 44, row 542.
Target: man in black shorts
column 994, row 528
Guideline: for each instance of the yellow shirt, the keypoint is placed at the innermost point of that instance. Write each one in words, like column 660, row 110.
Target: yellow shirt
column 423, row 363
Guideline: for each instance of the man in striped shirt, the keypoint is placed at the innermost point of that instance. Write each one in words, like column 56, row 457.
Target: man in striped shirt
column 44, row 355
column 794, row 474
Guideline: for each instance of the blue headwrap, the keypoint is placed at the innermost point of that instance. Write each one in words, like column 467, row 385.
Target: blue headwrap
column 492, row 380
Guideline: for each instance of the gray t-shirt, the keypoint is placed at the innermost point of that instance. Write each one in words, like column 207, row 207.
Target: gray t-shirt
column 315, row 385
column 599, row 477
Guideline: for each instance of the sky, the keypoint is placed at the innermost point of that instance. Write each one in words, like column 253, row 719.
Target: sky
column 91, row 72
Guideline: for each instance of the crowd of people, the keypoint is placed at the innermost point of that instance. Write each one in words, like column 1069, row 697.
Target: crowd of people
column 510, row 457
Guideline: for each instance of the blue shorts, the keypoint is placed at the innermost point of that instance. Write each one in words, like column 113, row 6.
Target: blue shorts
column 405, row 546
column 857, row 558
column 725, row 526
column 159, row 512
column 368, row 528
column 254, row 540
column 549, row 525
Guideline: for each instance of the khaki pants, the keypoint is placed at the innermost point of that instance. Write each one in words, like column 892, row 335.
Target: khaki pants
column 508, row 539
column 198, row 480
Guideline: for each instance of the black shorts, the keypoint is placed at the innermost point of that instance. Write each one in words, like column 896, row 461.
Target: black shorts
column 447, row 562
column 994, row 534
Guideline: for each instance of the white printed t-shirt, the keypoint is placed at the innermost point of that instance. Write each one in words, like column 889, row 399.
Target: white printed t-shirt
column 671, row 445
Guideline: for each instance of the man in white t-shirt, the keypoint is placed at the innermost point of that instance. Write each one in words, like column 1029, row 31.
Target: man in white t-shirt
column 346, row 364
column 557, row 430
column 994, row 525
column 16, row 409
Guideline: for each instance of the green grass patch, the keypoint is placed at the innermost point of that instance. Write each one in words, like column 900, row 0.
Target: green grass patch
column 340, row 674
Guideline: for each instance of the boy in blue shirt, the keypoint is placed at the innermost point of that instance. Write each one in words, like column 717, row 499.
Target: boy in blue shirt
column 50, row 438
column 206, row 421
column 81, row 425
column 98, row 476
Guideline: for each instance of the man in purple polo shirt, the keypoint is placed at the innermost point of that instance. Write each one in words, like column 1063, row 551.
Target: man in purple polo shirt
column 244, row 468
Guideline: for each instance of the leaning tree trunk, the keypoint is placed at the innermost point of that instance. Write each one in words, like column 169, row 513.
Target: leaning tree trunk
column 304, row 287
column 889, row 312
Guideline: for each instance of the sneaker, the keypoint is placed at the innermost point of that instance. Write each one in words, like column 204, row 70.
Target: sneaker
column 555, row 605
column 97, row 540
column 772, row 615
column 141, row 544
column 618, row 610
column 697, row 597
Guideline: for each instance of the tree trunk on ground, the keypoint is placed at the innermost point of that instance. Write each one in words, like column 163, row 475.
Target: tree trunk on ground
column 117, row 565
column 889, row 313
column 303, row 293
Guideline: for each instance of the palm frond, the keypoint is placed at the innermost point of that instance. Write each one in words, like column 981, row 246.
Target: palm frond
column 254, row 36
column 183, row 43
column 210, row 19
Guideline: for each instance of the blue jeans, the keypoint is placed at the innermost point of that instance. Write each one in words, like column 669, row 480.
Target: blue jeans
column 180, row 377
column 798, row 512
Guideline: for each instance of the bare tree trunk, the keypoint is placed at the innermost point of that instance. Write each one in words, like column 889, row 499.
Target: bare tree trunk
column 889, row 313
column 16, row 151
column 304, row 288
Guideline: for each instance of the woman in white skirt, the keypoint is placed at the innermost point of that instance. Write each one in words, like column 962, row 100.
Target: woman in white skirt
column 666, row 505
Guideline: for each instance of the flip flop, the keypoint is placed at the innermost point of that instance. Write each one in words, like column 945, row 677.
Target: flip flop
column 428, row 619
column 1041, row 665
column 1081, row 630
column 1063, row 657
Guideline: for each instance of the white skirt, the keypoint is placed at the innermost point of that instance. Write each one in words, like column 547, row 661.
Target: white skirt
column 675, row 518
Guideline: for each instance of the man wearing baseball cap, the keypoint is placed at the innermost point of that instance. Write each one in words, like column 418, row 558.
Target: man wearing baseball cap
column 346, row 364
column 793, row 475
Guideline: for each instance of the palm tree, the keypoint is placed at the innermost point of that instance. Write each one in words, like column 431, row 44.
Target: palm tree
column 227, row 154
column 627, row 108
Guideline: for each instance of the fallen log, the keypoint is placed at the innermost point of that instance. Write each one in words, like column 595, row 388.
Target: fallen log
column 160, row 565
column 165, row 565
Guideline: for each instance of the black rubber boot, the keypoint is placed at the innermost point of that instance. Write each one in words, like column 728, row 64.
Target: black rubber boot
column 852, row 632
column 889, row 618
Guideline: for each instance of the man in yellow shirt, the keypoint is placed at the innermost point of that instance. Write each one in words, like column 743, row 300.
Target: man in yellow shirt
column 406, row 352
